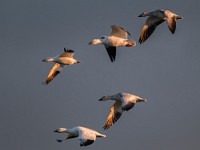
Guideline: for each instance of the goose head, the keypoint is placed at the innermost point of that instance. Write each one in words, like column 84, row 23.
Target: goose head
column 144, row 14
column 139, row 99
column 61, row 130
column 95, row 42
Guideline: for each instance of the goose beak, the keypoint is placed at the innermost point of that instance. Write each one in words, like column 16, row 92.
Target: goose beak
column 141, row 15
column 101, row 99
column 144, row 14
column 141, row 100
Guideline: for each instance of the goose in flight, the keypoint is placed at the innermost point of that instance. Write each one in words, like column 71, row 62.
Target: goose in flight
column 123, row 102
column 86, row 136
column 118, row 38
column 154, row 19
column 60, row 61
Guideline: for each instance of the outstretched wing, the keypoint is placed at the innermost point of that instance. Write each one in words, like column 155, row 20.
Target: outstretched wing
column 171, row 21
column 111, row 50
column 86, row 137
column 149, row 27
column 128, row 101
column 114, row 115
column 55, row 70
column 119, row 32
column 70, row 136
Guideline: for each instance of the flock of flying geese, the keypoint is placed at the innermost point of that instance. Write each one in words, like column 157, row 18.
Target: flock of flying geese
column 117, row 38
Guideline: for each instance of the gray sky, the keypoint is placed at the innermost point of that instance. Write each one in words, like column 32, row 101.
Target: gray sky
column 165, row 70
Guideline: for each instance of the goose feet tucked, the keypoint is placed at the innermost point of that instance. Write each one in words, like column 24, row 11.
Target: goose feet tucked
column 130, row 43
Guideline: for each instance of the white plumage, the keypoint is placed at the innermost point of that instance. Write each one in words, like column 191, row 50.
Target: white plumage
column 118, row 38
column 156, row 18
column 60, row 61
column 85, row 135
column 123, row 102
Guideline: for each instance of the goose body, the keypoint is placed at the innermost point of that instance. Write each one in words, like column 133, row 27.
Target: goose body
column 85, row 135
column 60, row 61
column 118, row 38
column 154, row 19
column 123, row 102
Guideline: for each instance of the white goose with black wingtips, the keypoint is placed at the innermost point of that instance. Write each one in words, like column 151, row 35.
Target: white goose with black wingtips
column 118, row 38
column 123, row 102
column 85, row 135
column 60, row 61
column 154, row 19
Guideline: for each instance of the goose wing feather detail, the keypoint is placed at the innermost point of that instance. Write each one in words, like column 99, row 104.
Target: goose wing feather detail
column 114, row 115
column 149, row 27
column 119, row 32
column 86, row 136
column 127, row 101
column 111, row 50
column 55, row 70
column 171, row 22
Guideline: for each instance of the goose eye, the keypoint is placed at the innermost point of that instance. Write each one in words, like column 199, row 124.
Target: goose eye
column 102, row 37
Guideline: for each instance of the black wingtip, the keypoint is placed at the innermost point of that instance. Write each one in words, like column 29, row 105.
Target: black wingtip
column 172, row 31
column 44, row 83
column 68, row 50
column 112, row 60
column 86, row 143
column 140, row 41
column 59, row 140
column 106, row 127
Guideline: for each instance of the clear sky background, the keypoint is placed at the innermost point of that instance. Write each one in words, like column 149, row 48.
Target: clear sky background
column 165, row 70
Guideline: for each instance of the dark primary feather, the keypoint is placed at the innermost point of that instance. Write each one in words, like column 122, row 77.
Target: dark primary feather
column 53, row 75
column 68, row 50
column 128, row 106
column 114, row 119
column 55, row 70
column 114, row 115
column 58, row 140
column 87, row 142
column 111, row 52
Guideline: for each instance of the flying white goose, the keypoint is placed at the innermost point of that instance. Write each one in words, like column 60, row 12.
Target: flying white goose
column 118, row 38
column 155, row 18
column 86, row 136
column 60, row 61
column 123, row 102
